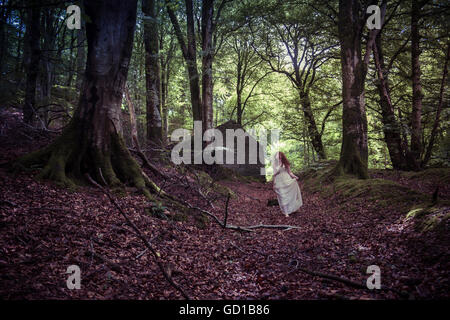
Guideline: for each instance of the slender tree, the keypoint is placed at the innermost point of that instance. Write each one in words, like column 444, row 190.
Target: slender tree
column 435, row 128
column 354, row 150
column 207, row 60
column 32, row 66
column 416, row 114
column 152, row 71
column 189, row 54
column 81, row 54
column 307, row 50
column 391, row 127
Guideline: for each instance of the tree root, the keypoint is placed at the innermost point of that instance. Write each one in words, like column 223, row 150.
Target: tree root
column 66, row 160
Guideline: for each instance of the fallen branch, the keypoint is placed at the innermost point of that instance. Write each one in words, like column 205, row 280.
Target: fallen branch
column 112, row 265
column 346, row 281
column 327, row 276
column 138, row 232
column 273, row 226
column 238, row 228
column 226, row 211
column 141, row 254
column 10, row 203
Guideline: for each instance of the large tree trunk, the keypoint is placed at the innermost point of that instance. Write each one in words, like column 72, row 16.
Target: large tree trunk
column 32, row 65
column 391, row 128
column 92, row 143
column 207, row 59
column 354, row 149
column 154, row 123
column 416, row 115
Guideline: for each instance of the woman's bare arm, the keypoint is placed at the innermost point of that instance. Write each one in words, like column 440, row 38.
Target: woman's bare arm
column 293, row 176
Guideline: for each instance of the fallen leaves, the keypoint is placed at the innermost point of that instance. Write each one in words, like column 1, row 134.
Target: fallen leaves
column 44, row 229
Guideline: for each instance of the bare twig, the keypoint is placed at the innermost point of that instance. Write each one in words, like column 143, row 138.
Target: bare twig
column 138, row 232
column 346, row 281
column 226, row 211
column 141, row 254
column 238, row 228
column 112, row 265
column 10, row 203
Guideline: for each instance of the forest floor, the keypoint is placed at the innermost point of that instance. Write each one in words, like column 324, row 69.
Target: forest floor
column 44, row 229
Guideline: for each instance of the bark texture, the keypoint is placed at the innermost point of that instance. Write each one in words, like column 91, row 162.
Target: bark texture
column 391, row 128
column 416, row 115
column 91, row 143
column 152, row 72
column 439, row 108
column 354, row 149
column 207, row 59
column 189, row 54
column 32, row 66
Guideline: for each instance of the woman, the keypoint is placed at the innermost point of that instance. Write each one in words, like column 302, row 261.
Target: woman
column 285, row 185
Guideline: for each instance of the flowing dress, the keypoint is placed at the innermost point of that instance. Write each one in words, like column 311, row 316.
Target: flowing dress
column 286, row 188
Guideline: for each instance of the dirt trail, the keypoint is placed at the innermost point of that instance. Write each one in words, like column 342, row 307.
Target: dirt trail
column 44, row 229
column 50, row 228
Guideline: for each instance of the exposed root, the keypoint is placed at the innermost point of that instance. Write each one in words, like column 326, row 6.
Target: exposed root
column 67, row 160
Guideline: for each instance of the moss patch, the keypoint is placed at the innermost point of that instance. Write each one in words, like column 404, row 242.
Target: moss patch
column 440, row 174
column 430, row 218
column 383, row 192
column 210, row 185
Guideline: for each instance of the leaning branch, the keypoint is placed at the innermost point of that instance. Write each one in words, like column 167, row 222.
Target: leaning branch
column 138, row 232
column 346, row 281
column 233, row 227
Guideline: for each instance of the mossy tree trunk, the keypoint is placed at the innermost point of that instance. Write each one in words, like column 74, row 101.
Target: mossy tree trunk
column 354, row 149
column 92, row 143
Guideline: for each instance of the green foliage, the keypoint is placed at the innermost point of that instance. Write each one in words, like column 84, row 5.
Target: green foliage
column 252, row 38
column 384, row 192
column 430, row 218
column 157, row 209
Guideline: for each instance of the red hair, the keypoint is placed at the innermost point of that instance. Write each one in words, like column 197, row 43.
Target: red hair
column 284, row 161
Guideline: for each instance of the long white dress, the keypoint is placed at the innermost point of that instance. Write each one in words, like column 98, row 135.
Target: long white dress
column 286, row 188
